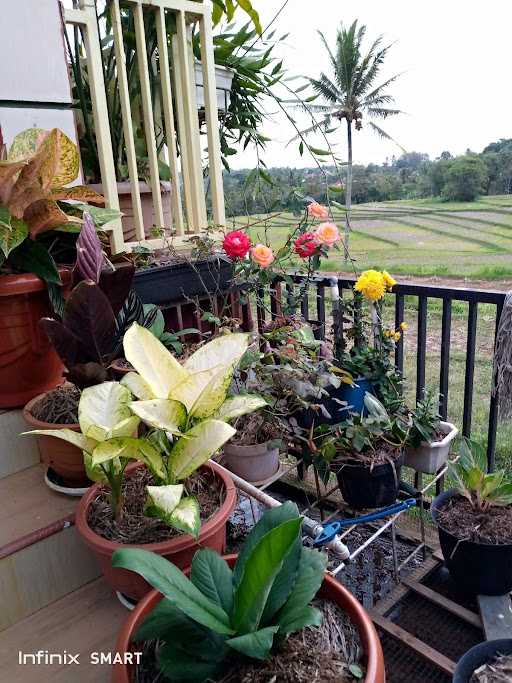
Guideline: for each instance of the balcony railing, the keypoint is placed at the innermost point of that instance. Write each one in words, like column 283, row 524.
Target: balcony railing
column 321, row 298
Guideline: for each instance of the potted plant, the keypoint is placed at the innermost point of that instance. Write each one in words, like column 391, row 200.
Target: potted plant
column 37, row 225
column 88, row 337
column 240, row 613
column 474, row 524
column 430, row 437
column 186, row 408
column 253, row 452
column 487, row 662
column 366, row 453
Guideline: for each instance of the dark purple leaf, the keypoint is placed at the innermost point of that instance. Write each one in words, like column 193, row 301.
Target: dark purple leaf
column 89, row 254
column 89, row 317
column 87, row 374
column 65, row 343
column 116, row 284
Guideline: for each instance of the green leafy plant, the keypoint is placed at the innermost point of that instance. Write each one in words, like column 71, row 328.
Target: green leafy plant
column 469, row 473
column 425, row 419
column 204, row 622
column 363, row 437
column 34, row 200
column 155, row 322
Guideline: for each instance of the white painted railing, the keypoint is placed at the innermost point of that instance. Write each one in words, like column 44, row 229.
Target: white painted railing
column 188, row 213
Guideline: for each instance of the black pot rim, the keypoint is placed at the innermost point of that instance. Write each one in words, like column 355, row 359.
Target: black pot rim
column 480, row 654
column 434, row 510
column 183, row 265
column 397, row 462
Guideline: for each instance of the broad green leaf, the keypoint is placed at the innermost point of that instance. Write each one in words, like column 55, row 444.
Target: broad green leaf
column 491, row 482
column 93, row 472
column 502, row 495
column 13, row 236
column 154, row 363
column 102, row 407
column 162, row 500
column 161, row 413
column 32, row 257
column 271, row 519
column 306, row 616
column 201, row 442
column 223, row 351
column 214, row 578
column 261, row 569
column 179, row 665
column 139, row 388
column 239, row 405
column 256, row 645
column 175, row 586
column 312, row 566
column 77, row 439
column 5, row 218
column 186, row 516
column 165, row 618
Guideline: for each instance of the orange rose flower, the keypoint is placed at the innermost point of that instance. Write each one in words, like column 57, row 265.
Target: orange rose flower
column 262, row 255
column 327, row 233
column 316, row 210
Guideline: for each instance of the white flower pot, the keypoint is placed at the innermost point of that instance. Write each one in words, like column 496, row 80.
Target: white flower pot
column 430, row 457
column 252, row 463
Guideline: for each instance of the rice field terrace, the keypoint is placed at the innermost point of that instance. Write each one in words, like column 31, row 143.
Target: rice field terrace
column 470, row 240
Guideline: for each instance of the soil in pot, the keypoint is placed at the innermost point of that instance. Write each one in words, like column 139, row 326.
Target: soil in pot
column 477, row 547
column 366, row 483
column 498, row 670
column 458, row 517
column 58, row 409
column 134, row 527
column 323, row 653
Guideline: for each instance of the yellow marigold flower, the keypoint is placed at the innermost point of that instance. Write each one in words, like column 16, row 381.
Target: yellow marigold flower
column 388, row 280
column 404, row 326
column 371, row 284
column 387, row 333
column 397, row 336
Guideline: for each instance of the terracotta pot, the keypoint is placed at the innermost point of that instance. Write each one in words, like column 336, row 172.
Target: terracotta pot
column 330, row 590
column 120, row 370
column 28, row 363
column 252, row 463
column 179, row 549
column 124, row 192
column 65, row 459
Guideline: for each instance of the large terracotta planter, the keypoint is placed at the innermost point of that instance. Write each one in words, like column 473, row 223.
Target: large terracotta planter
column 28, row 363
column 65, row 459
column 180, row 549
column 330, row 590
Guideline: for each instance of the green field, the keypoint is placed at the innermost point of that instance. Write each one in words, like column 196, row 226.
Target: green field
column 417, row 237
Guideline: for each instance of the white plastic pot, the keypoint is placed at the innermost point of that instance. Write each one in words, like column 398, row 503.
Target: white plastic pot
column 430, row 457
column 252, row 463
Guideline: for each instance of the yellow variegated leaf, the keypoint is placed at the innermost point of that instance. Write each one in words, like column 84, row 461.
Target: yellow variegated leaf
column 213, row 395
column 163, row 500
column 154, row 363
column 94, row 472
column 161, row 413
column 68, row 160
column 10, row 239
column 186, row 516
column 131, row 449
column 189, row 391
column 26, row 143
column 80, row 193
column 103, row 407
column 77, row 439
column 201, row 442
column 127, row 427
column 137, row 386
column 239, row 405
column 221, row 351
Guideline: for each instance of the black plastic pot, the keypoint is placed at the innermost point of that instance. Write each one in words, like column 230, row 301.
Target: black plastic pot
column 478, row 656
column 174, row 282
column 478, row 568
column 365, row 488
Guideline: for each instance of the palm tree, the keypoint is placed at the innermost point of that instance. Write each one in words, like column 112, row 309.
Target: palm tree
column 352, row 94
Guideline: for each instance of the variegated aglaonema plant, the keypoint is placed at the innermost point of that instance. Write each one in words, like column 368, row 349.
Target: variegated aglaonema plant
column 187, row 408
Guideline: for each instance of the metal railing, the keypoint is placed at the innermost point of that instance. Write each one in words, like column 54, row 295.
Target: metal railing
column 321, row 285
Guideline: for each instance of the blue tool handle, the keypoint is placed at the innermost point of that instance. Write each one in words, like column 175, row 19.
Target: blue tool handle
column 332, row 528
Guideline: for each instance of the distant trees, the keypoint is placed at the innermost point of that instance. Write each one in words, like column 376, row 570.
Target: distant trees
column 411, row 176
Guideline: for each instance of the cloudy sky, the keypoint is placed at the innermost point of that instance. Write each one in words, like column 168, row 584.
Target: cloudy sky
column 456, row 59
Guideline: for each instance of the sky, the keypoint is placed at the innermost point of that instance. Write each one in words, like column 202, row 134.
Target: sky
column 455, row 57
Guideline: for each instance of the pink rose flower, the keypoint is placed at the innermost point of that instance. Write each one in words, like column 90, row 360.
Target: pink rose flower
column 316, row 210
column 327, row 233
